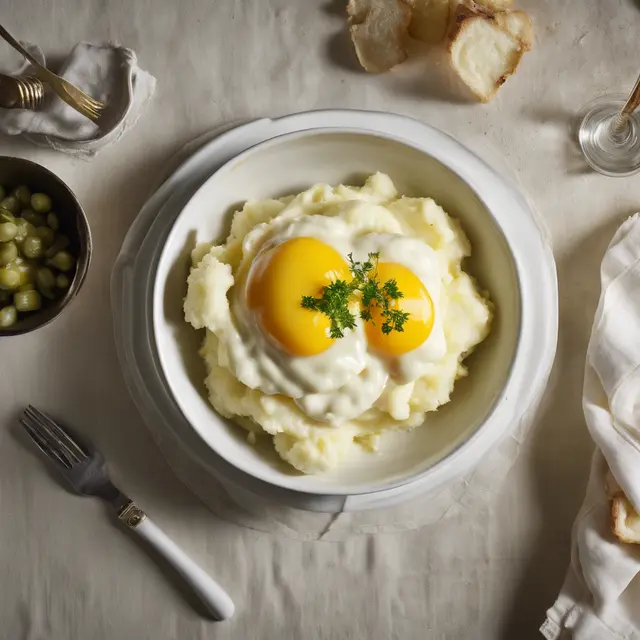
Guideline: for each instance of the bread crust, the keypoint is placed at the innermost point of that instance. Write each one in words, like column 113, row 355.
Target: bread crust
column 621, row 513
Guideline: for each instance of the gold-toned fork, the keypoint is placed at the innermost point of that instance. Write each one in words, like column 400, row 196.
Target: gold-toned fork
column 74, row 97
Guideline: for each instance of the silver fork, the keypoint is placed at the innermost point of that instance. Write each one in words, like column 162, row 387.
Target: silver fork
column 85, row 470
column 74, row 97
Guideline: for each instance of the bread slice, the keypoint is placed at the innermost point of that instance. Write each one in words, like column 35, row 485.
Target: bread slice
column 379, row 30
column 430, row 20
column 625, row 520
column 483, row 54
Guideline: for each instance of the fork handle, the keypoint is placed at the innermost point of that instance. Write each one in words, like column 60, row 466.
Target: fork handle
column 17, row 46
column 212, row 595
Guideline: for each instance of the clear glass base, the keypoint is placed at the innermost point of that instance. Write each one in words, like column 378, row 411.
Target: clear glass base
column 610, row 145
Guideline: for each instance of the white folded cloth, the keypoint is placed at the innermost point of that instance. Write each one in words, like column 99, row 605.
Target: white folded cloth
column 107, row 72
column 600, row 598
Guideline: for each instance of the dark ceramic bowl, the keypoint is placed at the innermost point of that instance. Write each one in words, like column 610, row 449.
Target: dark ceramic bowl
column 73, row 223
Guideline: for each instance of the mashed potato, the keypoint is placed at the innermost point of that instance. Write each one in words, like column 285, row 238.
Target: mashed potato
column 310, row 445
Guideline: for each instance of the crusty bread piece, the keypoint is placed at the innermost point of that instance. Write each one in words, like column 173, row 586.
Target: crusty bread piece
column 625, row 520
column 518, row 24
column 430, row 20
column 379, row 29
column 483, row 54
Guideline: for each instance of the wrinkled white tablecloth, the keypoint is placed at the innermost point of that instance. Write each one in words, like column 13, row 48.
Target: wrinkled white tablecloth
column 598, row 600
column 66, row 571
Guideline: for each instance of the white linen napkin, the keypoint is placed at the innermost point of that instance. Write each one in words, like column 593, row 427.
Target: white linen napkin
column 600, row 598
column 107, row 72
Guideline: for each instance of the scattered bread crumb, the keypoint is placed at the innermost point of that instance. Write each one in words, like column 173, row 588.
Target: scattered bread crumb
column 379, row 29
column 625, row 520
column 430, row 20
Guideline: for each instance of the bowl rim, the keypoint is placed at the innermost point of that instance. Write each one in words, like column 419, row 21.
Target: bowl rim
column 80, row 274
column 467, row 442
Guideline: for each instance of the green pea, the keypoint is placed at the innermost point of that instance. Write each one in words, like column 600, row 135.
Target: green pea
column 11, row 204
column 63, row 260
column 52, row 221
column 8, row 317
column 27, row 287
column 22, row 194
column 36, row 219
column 41, row 203
column 33, row 248
column 45, row 280
column 25, row 229
column 8, row 231
column 27, row 270
column 8, row 252
column 27, row 300
column 62, row 281
column 9, row 278
column 61, row 242
column 6, row 216
column 47, row 235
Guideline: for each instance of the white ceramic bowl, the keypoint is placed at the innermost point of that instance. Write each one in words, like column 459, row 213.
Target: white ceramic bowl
column 510, row 259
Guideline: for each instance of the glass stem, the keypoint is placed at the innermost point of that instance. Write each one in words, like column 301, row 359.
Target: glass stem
column 620, row 128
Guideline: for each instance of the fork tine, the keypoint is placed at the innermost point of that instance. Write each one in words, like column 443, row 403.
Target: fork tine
column 79, row 95
column 76, row 104
column 62, row 433
column 44, row 446
column 87, row 110
column 80, row 106
column 94, row 112
column 88, row 113
column 49, row 440
column 96, row 104
column 77, row 453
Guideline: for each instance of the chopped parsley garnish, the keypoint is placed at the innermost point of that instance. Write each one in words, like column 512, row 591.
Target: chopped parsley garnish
column 334, row 302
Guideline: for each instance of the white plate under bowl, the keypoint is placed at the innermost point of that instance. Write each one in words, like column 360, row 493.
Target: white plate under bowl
column 510, row 259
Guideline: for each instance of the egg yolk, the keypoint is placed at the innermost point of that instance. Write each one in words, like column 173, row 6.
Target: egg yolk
column 416, row 301
column 278, row 279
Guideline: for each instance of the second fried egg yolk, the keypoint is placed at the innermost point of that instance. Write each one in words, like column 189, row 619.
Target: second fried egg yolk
column 416, row 301
column 280, row 276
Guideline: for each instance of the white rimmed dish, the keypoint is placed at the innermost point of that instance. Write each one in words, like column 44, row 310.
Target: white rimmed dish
column 511, row 259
